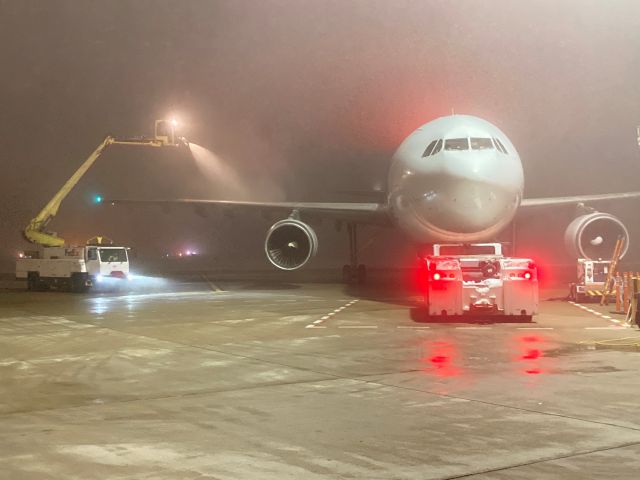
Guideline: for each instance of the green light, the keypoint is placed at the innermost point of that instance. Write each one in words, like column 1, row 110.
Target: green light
column 97, row 199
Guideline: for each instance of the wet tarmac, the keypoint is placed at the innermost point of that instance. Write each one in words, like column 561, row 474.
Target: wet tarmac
column 255, row 379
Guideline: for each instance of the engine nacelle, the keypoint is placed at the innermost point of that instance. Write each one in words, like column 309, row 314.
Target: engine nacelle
column 290, row 244
column 594, row 236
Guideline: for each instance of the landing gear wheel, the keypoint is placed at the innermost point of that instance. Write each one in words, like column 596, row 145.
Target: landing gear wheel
column 346, row 274
column 362, row 274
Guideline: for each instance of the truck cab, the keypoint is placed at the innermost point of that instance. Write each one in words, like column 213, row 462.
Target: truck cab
column 107, row 262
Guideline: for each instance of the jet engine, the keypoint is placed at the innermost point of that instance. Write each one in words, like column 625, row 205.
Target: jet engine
column 290, row 244
column 594, row 236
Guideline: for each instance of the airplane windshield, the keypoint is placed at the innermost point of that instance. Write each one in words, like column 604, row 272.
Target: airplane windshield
column 500, row 146
column 456, row 144
column 481, row 144
column 429, row 149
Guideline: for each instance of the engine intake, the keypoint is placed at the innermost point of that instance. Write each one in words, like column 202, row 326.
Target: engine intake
column 594, row 236
column 290, row 244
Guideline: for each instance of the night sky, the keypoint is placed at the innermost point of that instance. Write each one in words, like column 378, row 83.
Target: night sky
column 305, row 99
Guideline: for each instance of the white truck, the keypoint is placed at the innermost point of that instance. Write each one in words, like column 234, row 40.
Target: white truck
column 79, row 268
column 592, row 276
column 478, row 279
column 74, row 268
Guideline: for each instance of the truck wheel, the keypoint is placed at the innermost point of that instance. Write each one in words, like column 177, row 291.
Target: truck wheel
column 33, row 279
column 78, row 283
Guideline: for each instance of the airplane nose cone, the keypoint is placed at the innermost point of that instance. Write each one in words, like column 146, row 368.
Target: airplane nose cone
column 465, row 207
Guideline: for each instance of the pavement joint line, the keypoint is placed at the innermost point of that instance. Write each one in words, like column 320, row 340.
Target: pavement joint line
column 543, row 460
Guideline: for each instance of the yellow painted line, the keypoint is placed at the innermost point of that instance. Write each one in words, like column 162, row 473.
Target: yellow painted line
column 212, row 285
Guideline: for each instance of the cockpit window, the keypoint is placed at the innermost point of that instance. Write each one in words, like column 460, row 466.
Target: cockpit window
column 481, row 144
column 500, row 146
column 437, row 148
column 429, row 149
column 456, row 144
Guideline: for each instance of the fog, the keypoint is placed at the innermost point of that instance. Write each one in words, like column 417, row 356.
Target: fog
column 301, row 100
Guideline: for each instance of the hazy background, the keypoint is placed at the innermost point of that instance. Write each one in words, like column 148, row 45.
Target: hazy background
column 304, row 98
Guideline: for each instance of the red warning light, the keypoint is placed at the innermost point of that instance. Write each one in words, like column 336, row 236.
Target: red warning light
column 437, row 276
column 527, row 275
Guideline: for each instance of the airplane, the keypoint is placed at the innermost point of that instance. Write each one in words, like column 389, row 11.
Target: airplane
column 456, row 179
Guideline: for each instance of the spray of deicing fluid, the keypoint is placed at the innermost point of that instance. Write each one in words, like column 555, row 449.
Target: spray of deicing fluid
column 219, row 172
column 227, row 183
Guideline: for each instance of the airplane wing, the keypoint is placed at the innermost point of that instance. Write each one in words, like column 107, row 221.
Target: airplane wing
column 531, row 203
column 363, row 213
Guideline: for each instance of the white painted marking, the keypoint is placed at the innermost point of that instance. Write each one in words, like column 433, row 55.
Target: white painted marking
column 331, row 314
column 325, row 317
column 612, row 327
column 357, row 326
column 473, row 328
column 597, row 314
column 314, row 326
column 317, row 321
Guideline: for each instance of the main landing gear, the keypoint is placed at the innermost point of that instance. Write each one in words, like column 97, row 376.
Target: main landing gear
column 353, row 273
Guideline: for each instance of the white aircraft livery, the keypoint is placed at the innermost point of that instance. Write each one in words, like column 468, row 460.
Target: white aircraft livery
column 456, row 179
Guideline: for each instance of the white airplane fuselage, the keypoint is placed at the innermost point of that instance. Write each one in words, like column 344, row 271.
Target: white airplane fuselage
column 455, row 179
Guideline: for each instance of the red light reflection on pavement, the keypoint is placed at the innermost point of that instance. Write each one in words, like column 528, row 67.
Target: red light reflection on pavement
column 443, row 357
column 530, row 354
